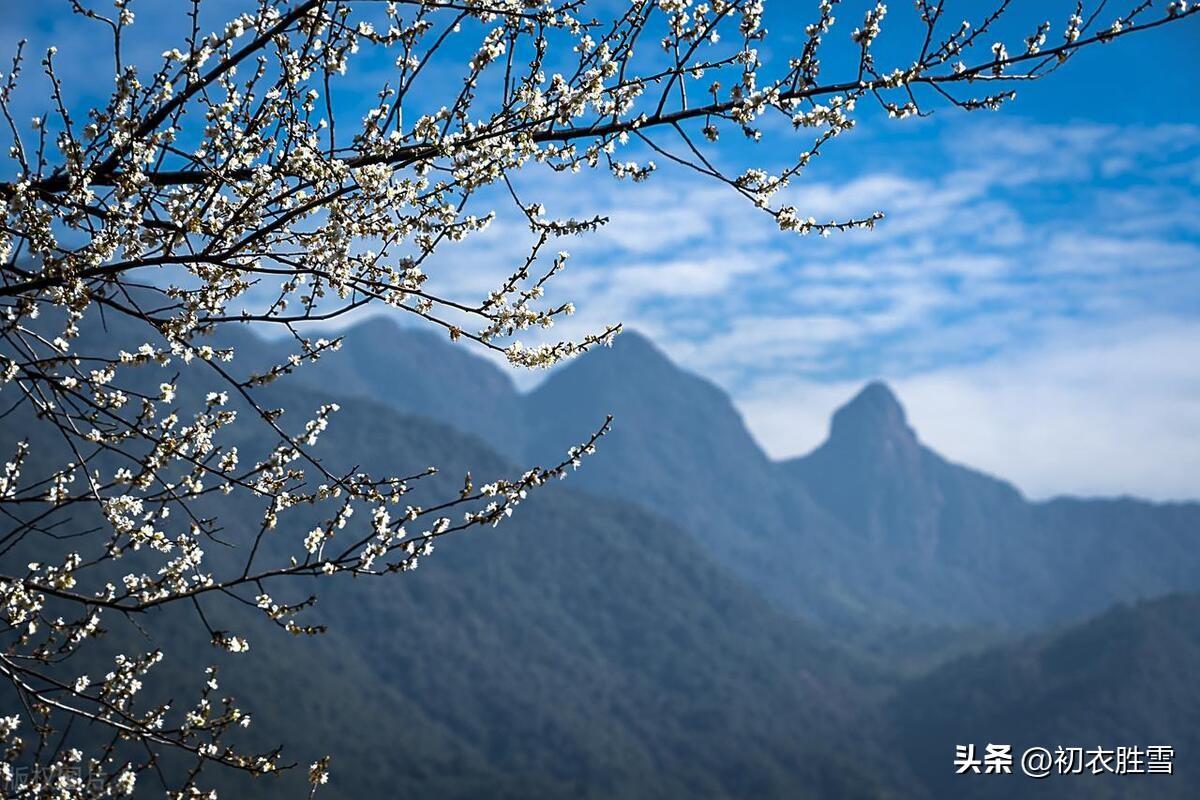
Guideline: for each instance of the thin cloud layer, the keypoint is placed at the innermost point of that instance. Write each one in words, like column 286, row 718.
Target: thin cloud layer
column 1026, row 277
column 1033, row 293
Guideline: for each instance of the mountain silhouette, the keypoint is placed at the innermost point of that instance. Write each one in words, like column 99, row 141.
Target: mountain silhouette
column 675, row 436
column 873, row 420
column 1119, row 680
column 873, row 529
column 418, row 372
column 681, row 618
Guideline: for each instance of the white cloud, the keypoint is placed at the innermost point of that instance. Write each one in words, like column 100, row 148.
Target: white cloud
column 1097, row 412
column 1094, row 412
column 1008, row 297
column 1100, row 253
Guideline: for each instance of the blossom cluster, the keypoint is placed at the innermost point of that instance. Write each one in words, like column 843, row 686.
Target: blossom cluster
column 242, row 179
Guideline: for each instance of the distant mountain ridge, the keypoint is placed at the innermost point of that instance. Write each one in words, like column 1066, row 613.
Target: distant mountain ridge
column 1123, row 679
column 591, row 648
column 585, row 648
column 871, row 528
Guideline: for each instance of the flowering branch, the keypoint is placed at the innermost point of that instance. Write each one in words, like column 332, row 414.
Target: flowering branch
column 231, row 184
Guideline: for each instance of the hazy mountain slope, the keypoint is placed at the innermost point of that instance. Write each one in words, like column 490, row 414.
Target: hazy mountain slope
column 1125, row 678
column 1122, row 540
column 586, row 649
column 871, row 531
column 419, row 372
column 955, row 546
column 680, row 448
column 413, row 371
column 938, row 542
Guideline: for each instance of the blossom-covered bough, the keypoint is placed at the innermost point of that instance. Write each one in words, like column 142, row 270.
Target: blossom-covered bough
column 239, row 180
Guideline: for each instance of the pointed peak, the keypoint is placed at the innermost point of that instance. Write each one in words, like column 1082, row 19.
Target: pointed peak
column 635, row 343
column 630, row 351
column 374, row 325
column 388, row 332
column 633, row 365
column 877, row 396
column 873, row 414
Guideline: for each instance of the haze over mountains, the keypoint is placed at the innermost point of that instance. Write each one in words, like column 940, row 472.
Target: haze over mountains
column 871, row 538
column 686, row 617
column 872, row 528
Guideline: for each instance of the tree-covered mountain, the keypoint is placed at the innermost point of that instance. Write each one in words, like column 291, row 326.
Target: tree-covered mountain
column 953, row 545
column 420, row 373
column 872, row 530
column 666, row 624
column 585, row 648
column 874, row 525
column 1124, row 679
column 680, row 448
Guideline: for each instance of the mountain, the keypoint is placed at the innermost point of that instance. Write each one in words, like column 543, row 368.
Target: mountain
column 935, row 539
column 1123, row 679
column 686, row 617
column 680, row 448
column 928, row 534
column 418, row 372
column 873, row 473
column 872, row 534
column 586, row 648
column 953, row 545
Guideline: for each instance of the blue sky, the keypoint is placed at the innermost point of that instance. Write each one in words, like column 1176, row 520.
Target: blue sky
column 1033, row 295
